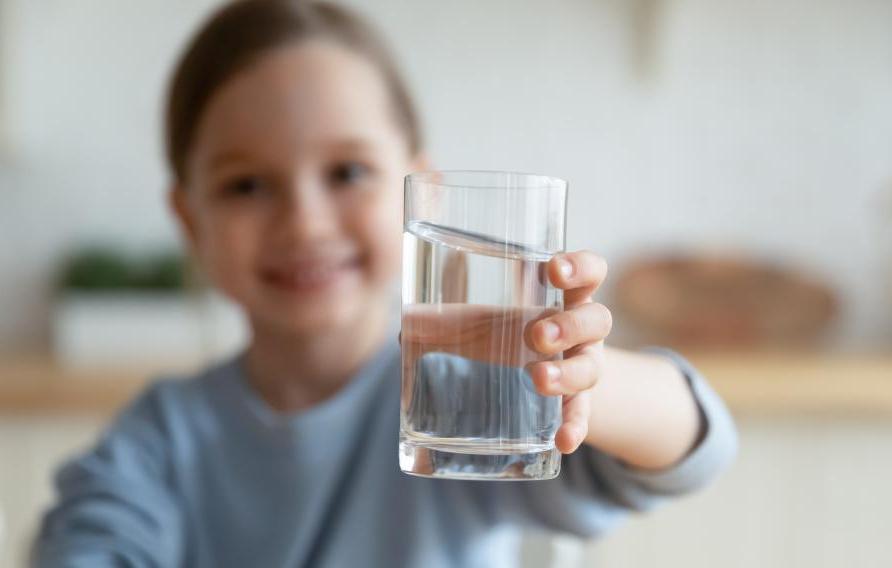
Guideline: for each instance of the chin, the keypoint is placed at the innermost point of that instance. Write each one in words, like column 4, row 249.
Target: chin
column 316, row 318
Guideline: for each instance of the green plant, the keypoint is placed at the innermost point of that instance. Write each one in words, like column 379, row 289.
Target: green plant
column 107, row 269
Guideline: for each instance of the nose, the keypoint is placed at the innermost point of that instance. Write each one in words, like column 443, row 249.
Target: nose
column 307, row 213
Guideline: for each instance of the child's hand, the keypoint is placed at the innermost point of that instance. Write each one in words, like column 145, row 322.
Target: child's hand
column 477, row 332
column 579, row 333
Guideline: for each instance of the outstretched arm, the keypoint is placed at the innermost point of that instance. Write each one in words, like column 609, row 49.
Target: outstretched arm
column 636, row 407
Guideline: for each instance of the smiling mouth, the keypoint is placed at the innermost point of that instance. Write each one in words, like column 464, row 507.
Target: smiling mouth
column 309, row 276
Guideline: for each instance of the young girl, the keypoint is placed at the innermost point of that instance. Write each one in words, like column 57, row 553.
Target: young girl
column 288, row 134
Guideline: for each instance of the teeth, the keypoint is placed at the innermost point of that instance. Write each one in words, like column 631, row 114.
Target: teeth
column 309, row 277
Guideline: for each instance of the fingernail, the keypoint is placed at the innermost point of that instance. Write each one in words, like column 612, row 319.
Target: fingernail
column 550, row 331
column 553, row 373
column 565, row 267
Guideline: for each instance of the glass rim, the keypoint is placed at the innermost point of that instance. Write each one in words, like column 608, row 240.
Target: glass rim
column 428, row 177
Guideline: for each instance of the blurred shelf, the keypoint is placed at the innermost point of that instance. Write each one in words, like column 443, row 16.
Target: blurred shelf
column 35, row 384
column 751, row 384
column 788, row 384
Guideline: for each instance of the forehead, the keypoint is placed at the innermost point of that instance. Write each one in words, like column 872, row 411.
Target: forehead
column 298, row 96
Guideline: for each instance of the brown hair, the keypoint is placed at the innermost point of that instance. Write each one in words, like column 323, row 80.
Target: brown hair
column 241, row 32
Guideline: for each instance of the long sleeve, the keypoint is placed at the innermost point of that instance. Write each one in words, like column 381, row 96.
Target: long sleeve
column 114, row 506
column 595, row 491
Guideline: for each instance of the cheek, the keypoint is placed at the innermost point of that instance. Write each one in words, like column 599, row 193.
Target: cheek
column 381, row 228
column 227, row 247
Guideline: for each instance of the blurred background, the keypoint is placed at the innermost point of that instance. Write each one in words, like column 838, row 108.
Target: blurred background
column 731, row 159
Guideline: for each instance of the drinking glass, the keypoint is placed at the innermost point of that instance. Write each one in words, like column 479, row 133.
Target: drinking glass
column 475, row 250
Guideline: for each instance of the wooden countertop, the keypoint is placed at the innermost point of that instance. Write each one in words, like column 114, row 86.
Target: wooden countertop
column 801, row 384
column 34, row 384
column 763, row 384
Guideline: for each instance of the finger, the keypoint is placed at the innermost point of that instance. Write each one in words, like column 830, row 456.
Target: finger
column 567, row 377
column 578, row 296
column 580, row 269
column 574, row 429
column 582, row 324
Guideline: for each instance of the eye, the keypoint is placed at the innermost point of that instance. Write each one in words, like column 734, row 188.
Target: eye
column 348, row 173
column 244, row 186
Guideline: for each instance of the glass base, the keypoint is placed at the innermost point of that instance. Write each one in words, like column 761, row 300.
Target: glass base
column 461, row 460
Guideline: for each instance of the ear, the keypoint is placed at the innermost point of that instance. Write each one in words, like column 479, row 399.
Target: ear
column 178, row 201
column 420, row 163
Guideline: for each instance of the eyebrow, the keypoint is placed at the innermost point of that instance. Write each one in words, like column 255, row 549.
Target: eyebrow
column 351, row 144
column 226, row 157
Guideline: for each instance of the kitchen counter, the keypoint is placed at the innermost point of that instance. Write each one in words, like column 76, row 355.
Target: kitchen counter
column 772, row 384
column 35, row 384
column 778, row 384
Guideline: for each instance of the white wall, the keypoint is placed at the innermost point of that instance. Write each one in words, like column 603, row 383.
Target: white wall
column 84, row 81
column 761, row 125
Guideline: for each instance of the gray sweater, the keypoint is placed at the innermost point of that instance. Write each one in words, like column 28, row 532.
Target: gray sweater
column 202, row 473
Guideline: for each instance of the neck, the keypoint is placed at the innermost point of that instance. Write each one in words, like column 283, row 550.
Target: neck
column 295, row 371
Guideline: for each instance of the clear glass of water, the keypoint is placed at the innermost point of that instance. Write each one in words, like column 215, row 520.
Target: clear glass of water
column 475, row 248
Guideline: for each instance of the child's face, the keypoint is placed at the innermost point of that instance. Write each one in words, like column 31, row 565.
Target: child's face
column 294, row 198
